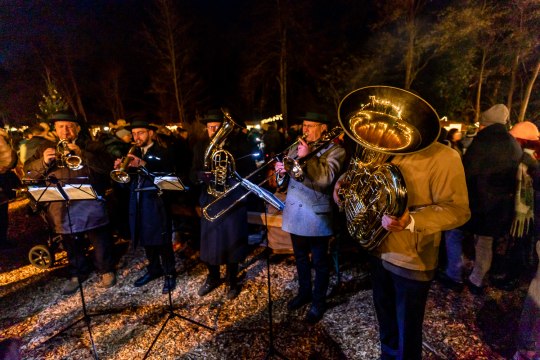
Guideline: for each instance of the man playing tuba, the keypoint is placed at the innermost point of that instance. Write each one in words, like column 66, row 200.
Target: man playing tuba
column 403, row 260
column 308, row 213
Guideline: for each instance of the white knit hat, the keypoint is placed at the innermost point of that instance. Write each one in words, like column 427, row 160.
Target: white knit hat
column 497, row 114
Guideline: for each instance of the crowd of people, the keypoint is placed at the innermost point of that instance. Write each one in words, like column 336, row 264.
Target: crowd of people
column 487, row 189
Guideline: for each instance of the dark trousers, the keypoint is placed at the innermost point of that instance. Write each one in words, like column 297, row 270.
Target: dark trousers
column 4, row 222
column 400, row 305
column 75, row 246
column 232, row 273
column 160, row 259
column 318, row 247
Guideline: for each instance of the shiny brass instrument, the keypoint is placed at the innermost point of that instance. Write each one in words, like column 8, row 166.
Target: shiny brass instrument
column 385, row 122
column 218, row 161
column 65, row 157
column 294, row 167
column 120, row 175
column 222, row 166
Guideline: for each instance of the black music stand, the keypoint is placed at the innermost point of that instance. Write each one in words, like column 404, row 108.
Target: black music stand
column 272, row 351
column 55, row 191
column 163, row 182
column 268, row 199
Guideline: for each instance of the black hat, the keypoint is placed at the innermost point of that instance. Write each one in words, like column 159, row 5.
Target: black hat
column 64, row 116
column 214, row 115
column 315, row 117
column 136, row 124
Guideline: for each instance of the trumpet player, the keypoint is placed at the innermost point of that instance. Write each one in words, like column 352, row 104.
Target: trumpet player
column 84, row 218
column 149, row 218
column 308, row 213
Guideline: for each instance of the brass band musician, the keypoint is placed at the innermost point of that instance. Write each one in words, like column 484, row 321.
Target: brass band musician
column 149, row 217
column 82, row 218
column 308, row 214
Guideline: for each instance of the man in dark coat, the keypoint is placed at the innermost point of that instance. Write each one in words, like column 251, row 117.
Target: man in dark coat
column 78, row 218
column 224, row 240
column 149, row 217
column 491, row 164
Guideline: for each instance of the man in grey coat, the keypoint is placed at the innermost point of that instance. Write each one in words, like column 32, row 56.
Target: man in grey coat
column 308, row 213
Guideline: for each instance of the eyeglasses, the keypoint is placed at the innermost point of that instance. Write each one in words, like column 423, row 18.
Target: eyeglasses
column 213, row 127
column 310, row 126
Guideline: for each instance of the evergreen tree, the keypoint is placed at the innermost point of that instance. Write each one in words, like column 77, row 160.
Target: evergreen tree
column 52, row 101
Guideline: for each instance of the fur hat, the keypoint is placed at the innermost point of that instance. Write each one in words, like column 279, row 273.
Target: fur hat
column 122, row 132
column 497, row 114
column 525, row 130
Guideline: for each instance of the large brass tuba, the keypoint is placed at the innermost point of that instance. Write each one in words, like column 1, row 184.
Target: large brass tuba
column 384, row 121
column 219, row 161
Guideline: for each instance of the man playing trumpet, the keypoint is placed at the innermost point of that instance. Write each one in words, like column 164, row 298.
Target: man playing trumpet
column 79, row 219
column 308, row 214
column 149, row 217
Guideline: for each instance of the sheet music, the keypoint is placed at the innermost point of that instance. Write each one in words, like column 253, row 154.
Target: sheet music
column 79, row 192
column 169, row 183
column 52, row 193
column 45, row 194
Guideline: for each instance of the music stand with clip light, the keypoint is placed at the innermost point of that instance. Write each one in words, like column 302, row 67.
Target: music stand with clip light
column 56, row 191
column 165, row 182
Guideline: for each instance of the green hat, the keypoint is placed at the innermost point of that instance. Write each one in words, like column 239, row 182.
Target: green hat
column 64, row 116
column 315, row 117
column 214, row 115
column 137, row 124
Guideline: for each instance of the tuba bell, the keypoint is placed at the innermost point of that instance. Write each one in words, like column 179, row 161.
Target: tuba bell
column 384, row 122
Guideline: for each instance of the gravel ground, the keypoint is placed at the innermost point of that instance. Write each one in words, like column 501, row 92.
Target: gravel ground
column 457, row 326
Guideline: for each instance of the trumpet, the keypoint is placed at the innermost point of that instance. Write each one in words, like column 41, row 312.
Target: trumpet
column 66, row 158
column 120, row 175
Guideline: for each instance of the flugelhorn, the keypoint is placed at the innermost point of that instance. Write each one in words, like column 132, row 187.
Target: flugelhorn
column 65, row 156
column 294, row 166
column 120, row 175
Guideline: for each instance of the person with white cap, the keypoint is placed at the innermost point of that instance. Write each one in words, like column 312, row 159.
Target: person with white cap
column 490, row 163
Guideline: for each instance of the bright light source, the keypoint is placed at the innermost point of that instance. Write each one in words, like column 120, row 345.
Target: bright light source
column 106, row 128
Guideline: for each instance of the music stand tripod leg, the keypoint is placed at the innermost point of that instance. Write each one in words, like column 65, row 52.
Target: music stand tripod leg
column 172, row 314
column 272, row 351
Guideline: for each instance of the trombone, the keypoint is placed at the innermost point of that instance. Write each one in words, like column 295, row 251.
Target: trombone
column 292, row 171
column 251, row 187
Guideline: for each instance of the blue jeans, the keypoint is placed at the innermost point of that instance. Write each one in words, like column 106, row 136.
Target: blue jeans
column 453, row 240
column 318, row 246
column 400, row 305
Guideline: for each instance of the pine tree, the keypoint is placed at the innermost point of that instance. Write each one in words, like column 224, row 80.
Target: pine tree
column 52, row 101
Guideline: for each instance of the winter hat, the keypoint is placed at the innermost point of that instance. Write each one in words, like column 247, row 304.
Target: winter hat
column 525, row 130
column 497, row 114
column 122, row 132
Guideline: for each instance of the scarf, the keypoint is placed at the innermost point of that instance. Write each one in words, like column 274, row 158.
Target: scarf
column 524, row 203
